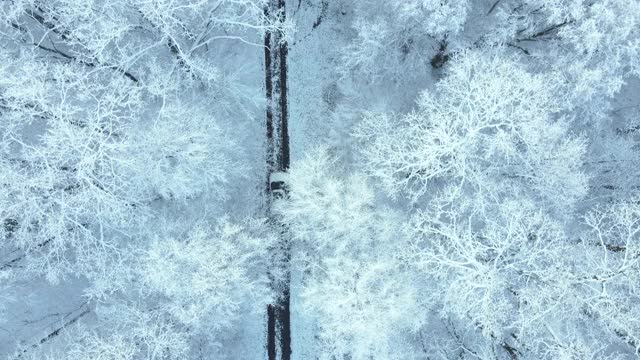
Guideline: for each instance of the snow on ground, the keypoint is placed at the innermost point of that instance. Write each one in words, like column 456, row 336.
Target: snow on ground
column 38, row 309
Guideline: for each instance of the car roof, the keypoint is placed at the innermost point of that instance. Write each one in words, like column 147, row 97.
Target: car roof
column 277, row 176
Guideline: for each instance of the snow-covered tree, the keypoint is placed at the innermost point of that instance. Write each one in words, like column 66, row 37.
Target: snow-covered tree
column 490, row 127
column 490, row 270
column 87, row 145
column 594, row 43
column 120, row 119
column 181, row 298
column 347, row 246
column 393, row 39
column 83, row 168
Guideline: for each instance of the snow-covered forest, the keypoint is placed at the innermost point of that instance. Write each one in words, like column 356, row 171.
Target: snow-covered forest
column 319, row 179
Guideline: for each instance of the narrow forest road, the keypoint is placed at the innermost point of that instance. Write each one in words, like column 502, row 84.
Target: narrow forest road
column 302, row 88
column 275, row 60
